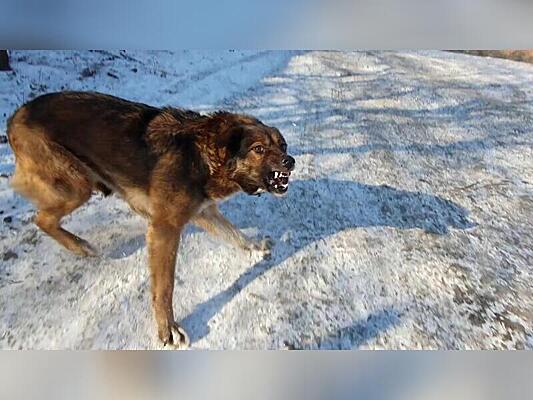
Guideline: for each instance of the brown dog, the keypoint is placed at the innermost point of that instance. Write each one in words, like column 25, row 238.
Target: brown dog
column 169, row 165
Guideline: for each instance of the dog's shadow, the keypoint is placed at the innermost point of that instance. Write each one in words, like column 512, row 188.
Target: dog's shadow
column 127, row 248
column 316, row 209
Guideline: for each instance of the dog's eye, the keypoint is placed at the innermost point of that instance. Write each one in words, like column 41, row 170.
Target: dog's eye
column 259, row 149
column 284, row 147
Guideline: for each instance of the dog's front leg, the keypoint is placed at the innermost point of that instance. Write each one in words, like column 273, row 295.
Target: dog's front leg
column 163, row 241
column 211, row 220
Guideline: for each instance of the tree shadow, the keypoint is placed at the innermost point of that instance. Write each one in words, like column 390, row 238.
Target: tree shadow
column 466, row 146
column 322, row 116
column 391, row 117
column 316, row 209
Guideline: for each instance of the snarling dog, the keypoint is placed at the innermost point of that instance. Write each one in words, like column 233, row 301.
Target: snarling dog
column 170, row 165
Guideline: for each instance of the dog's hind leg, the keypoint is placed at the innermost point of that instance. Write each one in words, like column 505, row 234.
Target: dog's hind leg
column 212, row 221
column 52, row 205
column 56, row 183
column 49, row 221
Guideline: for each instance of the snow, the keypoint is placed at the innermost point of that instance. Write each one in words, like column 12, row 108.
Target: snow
column 408, row 223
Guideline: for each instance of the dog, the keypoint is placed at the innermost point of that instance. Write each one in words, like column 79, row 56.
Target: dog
column 170, row 165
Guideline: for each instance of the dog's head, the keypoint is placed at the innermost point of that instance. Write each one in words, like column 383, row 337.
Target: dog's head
column 257, row 157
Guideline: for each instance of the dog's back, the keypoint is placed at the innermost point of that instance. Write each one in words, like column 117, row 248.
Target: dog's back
column 103, row 132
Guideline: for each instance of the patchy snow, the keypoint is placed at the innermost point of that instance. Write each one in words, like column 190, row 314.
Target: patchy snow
column 409, row 223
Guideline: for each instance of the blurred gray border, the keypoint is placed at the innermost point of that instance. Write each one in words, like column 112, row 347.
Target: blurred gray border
column 276, row 24
column 267, row 375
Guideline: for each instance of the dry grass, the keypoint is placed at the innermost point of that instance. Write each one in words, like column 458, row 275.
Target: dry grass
column 516, row 55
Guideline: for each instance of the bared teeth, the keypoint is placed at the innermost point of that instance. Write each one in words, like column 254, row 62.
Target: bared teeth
column 279, row 180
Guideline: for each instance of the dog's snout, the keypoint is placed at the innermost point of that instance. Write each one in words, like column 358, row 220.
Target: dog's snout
column 288, row 162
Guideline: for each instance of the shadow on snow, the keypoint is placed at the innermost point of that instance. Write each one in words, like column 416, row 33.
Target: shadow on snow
column 316, row 209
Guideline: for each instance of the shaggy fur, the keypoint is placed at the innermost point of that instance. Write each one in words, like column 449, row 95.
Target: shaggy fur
column 170, row 165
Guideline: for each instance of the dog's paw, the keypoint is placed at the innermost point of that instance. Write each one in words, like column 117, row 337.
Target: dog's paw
column 175, row 336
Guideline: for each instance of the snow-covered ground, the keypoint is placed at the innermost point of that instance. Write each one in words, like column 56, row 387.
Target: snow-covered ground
column 409, row 222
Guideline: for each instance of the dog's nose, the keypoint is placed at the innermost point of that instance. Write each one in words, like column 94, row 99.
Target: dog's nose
column 288, row 162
